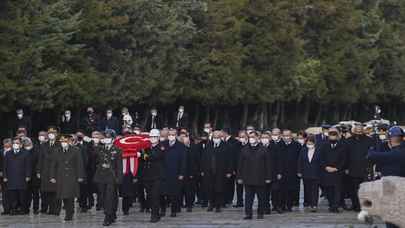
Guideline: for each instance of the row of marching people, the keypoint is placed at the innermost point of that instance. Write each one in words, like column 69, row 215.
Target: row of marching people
column 181, row 171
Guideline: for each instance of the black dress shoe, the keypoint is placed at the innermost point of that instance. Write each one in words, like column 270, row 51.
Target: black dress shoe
column 154, row 219
column 69, row 218
column 126, row 213
column 36, row 212
column 83, row 210
column 189, row 209
column 173, row 214
column 260, row 216
column 98, row 208
column 107, row 221
column 5, row 213
column 248, row 217
column 267, row 211
column 210, row 209
column 217, row 210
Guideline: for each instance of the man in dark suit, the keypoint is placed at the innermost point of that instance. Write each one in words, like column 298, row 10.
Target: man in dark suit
column 333, row 159
column 254, row 172
column 291, row 182
column 7, row 147
column 180, row 120
column 216, row 168
column 85, row 188
column 47, row 153
column 67, row 172
column 17, row 174
column 90, row 122
column 323, row 136
column 68, row 124
column 22, row 122
column 358, row 146
column 175, row 162
column 231, row 147
column 153, row 121
column 110, row 122
column 151, row 172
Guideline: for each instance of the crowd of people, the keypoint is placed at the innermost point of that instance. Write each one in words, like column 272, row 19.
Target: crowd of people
column 41, row 172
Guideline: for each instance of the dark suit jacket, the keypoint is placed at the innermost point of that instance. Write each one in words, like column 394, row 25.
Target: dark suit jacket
column 309, row 169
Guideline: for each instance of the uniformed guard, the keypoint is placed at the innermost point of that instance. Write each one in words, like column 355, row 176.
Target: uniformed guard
column 151, row 172
column 67, row 172
column 109, row 175
column 47, row 152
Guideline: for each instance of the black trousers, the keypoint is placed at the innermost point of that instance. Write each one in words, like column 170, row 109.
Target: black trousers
column 239, row 194
column 33, row 197
column 311, row 192
column 267, row 197
column 173, row 200
column 68, row 204
column 141, row 195
column 153, row 196
column 354, row 186
column 251, row 191
column 18, row 200
column 188, row 193
column 50, row 203
column 333, row 193
column 276, row 198
column 5, row 198
column 109, row 193
column 85, row 196
column 230, row 190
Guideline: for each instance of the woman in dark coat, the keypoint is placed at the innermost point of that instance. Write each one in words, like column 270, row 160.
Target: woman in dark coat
column 309, row 169
column 333, row 158
column 67, row 172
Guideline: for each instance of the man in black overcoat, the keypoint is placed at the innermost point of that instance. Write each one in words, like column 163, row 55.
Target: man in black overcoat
column 17, row 174
column 254, row 172
column 216, row 168
column 332, row 160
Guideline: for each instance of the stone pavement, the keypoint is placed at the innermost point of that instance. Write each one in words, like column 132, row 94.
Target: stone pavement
column 199, row 218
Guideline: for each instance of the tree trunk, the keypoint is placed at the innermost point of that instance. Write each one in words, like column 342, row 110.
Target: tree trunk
column 207, row 114
column 306, row 111
column 196, row 117
column 216, row 117
column 282, row 114
column 318, row 115
column 245, row 114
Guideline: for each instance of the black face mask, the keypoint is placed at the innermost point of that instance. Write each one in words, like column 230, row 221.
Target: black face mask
column 80, row 138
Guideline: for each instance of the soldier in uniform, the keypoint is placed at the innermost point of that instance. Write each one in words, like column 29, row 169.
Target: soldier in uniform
column 109, row 175
column 151, row 172
column 67, row 172
column 7, row 147
column 47, row 152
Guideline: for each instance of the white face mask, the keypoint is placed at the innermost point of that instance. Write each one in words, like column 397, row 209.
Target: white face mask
column 181, row 110
column 136, row 132
column 68, row 115
column 287, row 139
column 162, row 139
column 96, row 140
column 86, row 139
column 326, row 134
column 41, row 138
column 107, row 141
column 310, row 146
column 216, row 140
column 28, row 148
column 16, row 146
column 274, row 137
column 109, row 114
column 19, row 116
column 242, row 140
column 51, row 136
column 171, row 138
column 382, row 137
column 252, row 141
column 265, row 141
column 64, row 145
column 301, row 141
column 207, row 130
column 154, row 113
column 154, row 140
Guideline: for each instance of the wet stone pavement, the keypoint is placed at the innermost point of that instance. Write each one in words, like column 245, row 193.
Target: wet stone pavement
column 199, row 218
